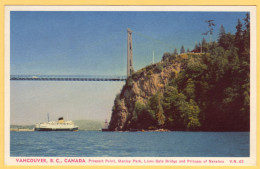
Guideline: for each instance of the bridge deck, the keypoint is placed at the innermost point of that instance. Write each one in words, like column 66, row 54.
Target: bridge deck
column 66, row 78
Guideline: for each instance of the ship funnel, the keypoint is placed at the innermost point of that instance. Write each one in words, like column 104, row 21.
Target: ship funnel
column 61, row 120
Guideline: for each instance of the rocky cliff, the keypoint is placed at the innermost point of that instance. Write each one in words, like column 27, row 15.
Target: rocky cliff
column 139, row 88
column 208, row 92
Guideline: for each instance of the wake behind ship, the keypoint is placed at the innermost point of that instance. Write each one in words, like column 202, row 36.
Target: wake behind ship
column 61, row 125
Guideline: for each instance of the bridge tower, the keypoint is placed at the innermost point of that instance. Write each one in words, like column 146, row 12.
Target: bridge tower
column 130, row 66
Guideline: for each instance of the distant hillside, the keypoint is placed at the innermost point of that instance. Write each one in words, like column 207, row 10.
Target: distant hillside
column 83, row 125
column 22, row 126
column 88, row 124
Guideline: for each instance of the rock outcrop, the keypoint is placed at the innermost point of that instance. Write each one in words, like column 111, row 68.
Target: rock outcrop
column 139, row 88
column 187, row 92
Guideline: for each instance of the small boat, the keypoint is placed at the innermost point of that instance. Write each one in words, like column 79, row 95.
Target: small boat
column 60, row 125
column 105, row 128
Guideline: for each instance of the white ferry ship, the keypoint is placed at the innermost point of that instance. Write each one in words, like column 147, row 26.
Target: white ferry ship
column 61, row 125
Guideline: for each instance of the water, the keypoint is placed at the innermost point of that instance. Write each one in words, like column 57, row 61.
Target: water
column 129, row 144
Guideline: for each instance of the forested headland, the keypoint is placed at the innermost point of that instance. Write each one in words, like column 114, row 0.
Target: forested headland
column 206, row 89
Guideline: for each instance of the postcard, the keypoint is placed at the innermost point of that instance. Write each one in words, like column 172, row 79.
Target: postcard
column 130, row 86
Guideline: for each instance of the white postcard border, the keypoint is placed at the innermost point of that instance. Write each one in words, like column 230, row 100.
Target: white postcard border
column 247, row 161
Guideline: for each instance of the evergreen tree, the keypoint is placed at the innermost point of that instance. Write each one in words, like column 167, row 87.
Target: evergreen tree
column 239, row 36
column 225, row 40
column 166, row 56
column 182, row 50
column 244, row 74
column 175, row 52
column 247, row 31
column 204, row 41
column 196, row 46
column 221, row 32
column 247, row 22
column 204, row 45
column 222, row 36
column 199, row 47
column 211, row 24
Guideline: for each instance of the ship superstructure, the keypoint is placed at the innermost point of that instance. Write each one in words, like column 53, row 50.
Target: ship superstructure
column 60, row 125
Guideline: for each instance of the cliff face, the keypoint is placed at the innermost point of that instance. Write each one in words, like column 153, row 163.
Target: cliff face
column 139, row 88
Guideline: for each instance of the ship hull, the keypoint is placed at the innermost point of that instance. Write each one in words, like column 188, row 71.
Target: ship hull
column 56, row 129
column 105, row 130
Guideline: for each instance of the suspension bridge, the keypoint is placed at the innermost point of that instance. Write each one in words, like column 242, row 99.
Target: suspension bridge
column 130, row 67
column 67, row 78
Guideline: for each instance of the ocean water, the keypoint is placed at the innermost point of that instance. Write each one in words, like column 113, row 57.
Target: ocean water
column 129, row 144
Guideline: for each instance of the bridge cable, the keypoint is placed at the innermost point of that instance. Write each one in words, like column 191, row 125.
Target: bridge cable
column 153, row 39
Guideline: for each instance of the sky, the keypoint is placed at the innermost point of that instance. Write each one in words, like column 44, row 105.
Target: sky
column 92, row 43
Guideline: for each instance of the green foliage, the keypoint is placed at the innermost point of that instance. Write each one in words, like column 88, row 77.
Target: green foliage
column 143, row 118
column 169, row 106
column 190, row 89
column 204, row 45
column 180, row 113
column 158, row 68
column 246, row 32
column 192, row 112
column 127, row 87
column 149, row 68
column 137, row 75
column 129, row 82
column 166, row 56
column 227, row 41
column 155, row 106
column 239, row 36
column 222, row 32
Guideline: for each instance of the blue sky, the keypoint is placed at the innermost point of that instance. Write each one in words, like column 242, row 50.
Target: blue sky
column 93, row 43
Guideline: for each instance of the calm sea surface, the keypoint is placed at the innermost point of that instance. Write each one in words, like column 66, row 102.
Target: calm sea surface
column 129, row 144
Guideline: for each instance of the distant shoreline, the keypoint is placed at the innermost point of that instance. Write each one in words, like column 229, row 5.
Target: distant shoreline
column 88, row 125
